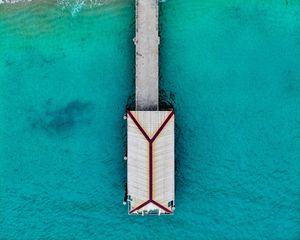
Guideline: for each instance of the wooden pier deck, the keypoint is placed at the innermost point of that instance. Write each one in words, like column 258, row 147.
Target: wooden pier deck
column 150, row 132
column 147, row 42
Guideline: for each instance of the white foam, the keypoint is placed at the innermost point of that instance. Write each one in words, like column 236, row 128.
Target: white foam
column 77, row 7
column 73, row 6
column 13, row 1
column 89, row 3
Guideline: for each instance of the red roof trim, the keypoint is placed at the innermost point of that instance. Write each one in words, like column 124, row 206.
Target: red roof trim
column 161, row 206
column 150, row 171
column 139, row 126
column 151, row 201
column 162, row 126
column 140, row 206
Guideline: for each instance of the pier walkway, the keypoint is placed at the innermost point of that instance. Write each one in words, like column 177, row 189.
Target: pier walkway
column 150, row 131
column 147, row 42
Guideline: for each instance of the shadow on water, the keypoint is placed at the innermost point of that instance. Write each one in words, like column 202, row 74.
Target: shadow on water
column 166, row 100
column 130, row 103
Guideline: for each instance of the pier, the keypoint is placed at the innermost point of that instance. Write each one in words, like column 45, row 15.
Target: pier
column 150, row 132
column 146, row 55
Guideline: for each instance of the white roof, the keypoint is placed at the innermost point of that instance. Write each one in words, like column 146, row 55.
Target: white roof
column 150, row 153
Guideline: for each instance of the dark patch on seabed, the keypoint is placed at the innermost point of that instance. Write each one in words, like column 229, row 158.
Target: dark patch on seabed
column 63, row 119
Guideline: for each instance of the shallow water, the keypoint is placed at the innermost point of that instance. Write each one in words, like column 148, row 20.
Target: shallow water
column 231, row 70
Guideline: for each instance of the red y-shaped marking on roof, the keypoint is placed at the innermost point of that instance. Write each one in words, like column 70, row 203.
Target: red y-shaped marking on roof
column 151, row 140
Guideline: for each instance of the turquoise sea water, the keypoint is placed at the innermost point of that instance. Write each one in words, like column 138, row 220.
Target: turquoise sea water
column 231, row 70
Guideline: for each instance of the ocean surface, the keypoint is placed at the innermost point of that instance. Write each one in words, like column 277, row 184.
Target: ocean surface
column 230, row 69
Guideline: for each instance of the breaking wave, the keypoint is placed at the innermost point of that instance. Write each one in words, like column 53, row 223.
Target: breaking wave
column 73, row 6
column 13, row 1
